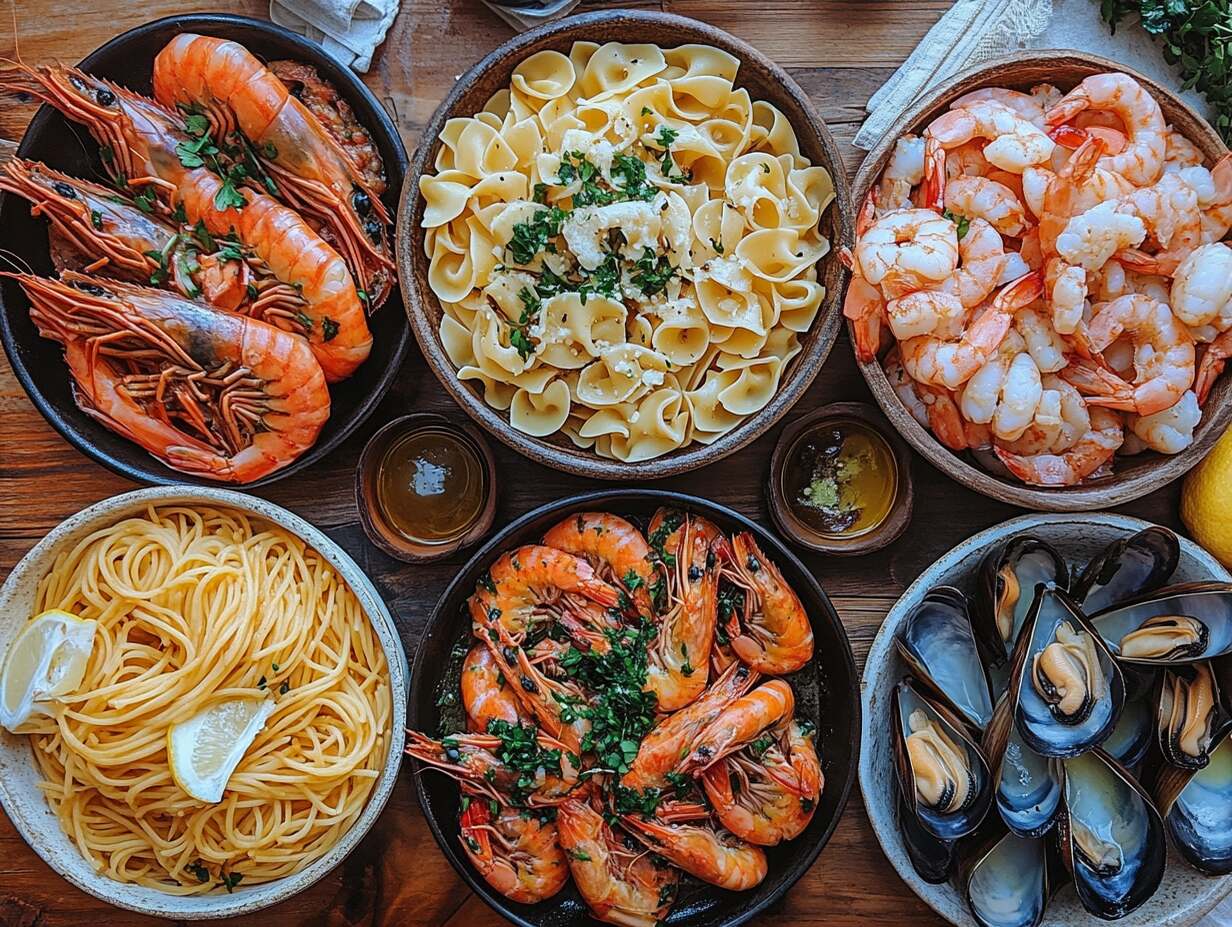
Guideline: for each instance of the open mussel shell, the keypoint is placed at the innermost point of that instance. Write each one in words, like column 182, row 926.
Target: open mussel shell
column 1026, row 786
column 1134, row 732
column 1111, row 836
column 938, row 644
column 1127, row 568
column 1006, row 880
column 1067, row 689
column 1190, row 714
column 1197, row 809
column 1008, row 576
column 940, row 770
column 933, row 858
column 1176, row 624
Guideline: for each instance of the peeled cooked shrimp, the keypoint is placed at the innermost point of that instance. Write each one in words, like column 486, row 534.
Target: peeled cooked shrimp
column 904, row 170
column 951, row 362
column 1005, row 392
column 1142, row 159
column 1014, row 143
column 1201, row 294
column 1071, row 466
column 905, row 388
column 1169, row 431
column 908, row 250
column 1170, row 211
column 989, row 200
column 1214, row 356
column 1047, row 348
column 1026, row 105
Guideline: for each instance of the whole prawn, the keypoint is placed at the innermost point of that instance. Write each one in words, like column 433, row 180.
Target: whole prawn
column 709, row 854
column 518, row 854
column 772, row 632
column 474, row 759
column 615, row 548
column 311, row 170
column 1142, row 159
column 205, row 391
column 486, row 694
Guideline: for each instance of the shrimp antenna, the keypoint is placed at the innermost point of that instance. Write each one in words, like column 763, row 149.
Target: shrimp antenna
column 12, row 259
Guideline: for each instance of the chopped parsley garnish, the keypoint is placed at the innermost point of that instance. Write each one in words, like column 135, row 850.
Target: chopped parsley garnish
column 717, row 246
column 653, row 272
column 196, row 125
column 329, row 328
column 529, row 238
column 230, row 880
column 96, row 219
column 578, row 855
column 633, row 801
column 228, row 194
column 145, row 201
column 632, row 173
column 198, row 871
column 632, row 581
column 962, row 222
column 519, row 751
column 680, row 782
column 604, row 280
column 519, row 338
column 541, row 194
column 666, row 136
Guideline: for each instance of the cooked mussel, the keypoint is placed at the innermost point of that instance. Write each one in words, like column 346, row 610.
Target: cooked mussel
column 1189, row 714
column 940, row 770
column 1006, row 881
column 938, row 644
column 1026, row 786
column 932, row 857
column 1197, row 809
column 1008, row 576
column 1067, row 688
column 1176, row 624
column 1126, row 568
column 1111, row 836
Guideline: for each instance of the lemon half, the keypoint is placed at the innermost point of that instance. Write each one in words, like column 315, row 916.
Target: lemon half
column 204, row 750
column 1206, row 501
column 46, row 661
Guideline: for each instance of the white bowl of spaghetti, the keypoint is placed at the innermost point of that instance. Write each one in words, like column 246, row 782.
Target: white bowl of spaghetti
column 200, row 595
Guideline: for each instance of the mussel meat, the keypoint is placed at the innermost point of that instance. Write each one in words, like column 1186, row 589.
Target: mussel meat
column 1189, row 714
column 1006, row 882
column 941, row 771
column 1067, row 689
column 1008, row 577
column 938, row 643
column 1197, row 809
column 1112, row 837
column 1176, row 624
column 1126, row 568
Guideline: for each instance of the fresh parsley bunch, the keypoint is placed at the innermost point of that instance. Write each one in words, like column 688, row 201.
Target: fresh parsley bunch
column 1197, row 35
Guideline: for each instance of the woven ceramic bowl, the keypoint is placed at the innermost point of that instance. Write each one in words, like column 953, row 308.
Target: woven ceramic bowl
column 764, row 80
column 1185, row 895
column 1134, row 476
column 19, row 792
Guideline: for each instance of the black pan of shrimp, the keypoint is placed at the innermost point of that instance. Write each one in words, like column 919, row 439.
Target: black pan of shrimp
column 68, row 147
column 825, row 690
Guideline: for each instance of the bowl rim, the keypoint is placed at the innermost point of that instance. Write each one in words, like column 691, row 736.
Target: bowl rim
column 584, row 462
column 598, row 499
column 149, row 470
column 882, row 816
column 245, row 900
column 1119, row 489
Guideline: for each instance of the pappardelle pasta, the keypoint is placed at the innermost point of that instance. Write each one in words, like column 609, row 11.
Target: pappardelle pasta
column 624, row 245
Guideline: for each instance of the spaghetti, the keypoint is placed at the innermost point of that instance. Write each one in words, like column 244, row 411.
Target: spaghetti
column 194, row 606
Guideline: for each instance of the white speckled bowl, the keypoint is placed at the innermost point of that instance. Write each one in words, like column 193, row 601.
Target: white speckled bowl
column 1185, row 895
column 24, row 803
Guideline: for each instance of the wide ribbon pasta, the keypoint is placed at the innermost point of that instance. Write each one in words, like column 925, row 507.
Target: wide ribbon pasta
column 624, row 246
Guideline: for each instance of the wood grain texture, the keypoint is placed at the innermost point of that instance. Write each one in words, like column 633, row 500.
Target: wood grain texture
column 839, row 52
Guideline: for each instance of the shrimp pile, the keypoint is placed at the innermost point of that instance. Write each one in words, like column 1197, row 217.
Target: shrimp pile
column 617, row 725
column 208, row 293
column 1052, row 272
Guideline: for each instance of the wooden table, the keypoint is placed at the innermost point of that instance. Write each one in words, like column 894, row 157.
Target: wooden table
column 840, row 52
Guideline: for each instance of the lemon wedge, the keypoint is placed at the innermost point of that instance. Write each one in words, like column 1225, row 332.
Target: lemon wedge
column 204, row 750
column 47, row 660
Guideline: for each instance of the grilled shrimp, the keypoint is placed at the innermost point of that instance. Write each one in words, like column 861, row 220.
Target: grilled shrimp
column 678, row 666
column 473, row 759
column 518, row 854
column 739, row 723
column 1075, row 464
column 1142, row 159
column 207, row 392
column 771, row 632
column 767, row 792
column 141, row 144
column 672, row 738
column 1014, row 143
column 619, row 885
column 714, row 856
column 615, row 548
column 486, row 694
column 311, row 170
column 950, row 362
column 1163, row 357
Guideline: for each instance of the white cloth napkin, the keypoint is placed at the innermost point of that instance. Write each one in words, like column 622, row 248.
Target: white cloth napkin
column 977, row 30
column 349, row 30
column 523, row 18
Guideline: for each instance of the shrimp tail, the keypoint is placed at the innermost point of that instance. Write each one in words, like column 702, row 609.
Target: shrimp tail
column 934, row 175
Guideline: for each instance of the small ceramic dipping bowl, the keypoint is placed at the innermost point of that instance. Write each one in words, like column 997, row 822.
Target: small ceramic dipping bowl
column 425, row 487
column 801, row 450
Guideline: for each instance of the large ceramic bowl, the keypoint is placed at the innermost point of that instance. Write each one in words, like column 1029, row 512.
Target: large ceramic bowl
column 764, row 80
column 1184, row 895
column 24, row 803
column 825, row 692
column 1134, row 476
column 128, row 59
